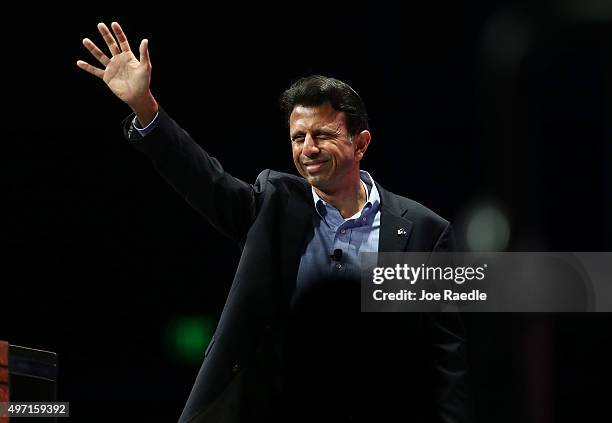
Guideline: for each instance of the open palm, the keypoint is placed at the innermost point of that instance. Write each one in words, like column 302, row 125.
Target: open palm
column 126, row 76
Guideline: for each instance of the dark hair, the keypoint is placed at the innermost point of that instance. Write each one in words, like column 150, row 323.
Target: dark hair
column 316, row 90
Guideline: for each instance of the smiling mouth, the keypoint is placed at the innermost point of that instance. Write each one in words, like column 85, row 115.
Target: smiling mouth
column 314, row 166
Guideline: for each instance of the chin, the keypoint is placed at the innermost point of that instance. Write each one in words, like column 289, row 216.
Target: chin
column 314, row 181
column 318, row 183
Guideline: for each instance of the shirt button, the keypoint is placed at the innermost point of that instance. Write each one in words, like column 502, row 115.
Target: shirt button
column 364, row 219
column 343, row 231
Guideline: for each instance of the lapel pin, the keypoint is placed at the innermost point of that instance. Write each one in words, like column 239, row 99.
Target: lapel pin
column 401, row 232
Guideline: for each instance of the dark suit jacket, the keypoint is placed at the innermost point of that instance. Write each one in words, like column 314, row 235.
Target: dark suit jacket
column 242, row 376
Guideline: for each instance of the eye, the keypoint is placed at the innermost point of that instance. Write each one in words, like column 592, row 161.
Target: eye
column 298, row 139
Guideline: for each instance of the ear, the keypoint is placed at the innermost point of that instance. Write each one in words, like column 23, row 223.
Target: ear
column 362, row 141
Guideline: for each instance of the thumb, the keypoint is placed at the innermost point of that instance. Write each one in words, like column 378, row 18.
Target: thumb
column 144, row 52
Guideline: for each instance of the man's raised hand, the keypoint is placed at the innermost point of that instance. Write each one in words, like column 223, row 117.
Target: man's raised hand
column 126, row 76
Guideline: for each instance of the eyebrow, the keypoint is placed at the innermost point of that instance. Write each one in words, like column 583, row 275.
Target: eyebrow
column 316, row 132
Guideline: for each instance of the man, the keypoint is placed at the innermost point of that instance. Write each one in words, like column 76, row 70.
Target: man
column 284, row 348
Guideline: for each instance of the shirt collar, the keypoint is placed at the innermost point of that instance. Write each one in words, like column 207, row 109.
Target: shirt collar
column 372, row 198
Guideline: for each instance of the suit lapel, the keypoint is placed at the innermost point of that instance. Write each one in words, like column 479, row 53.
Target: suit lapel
column 395, row 230
column 296, row 227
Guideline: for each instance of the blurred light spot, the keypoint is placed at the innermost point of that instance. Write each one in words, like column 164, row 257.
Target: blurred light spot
column 595, row 10
column 488, row 230
column 506, row 37
column 188, row 337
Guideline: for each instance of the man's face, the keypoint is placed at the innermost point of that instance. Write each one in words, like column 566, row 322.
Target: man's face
column 323, row 153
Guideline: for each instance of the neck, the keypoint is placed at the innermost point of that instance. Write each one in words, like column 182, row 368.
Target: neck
column 348, row 199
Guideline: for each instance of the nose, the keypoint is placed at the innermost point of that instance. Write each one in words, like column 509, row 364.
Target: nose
column 310, row 147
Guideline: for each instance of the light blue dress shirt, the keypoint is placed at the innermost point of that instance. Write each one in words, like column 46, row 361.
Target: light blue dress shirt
column 357, row 234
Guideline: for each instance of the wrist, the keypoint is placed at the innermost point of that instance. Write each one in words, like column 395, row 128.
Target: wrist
column 146, row 109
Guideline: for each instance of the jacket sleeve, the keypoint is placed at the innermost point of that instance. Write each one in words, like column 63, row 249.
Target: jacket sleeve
column 228, row 203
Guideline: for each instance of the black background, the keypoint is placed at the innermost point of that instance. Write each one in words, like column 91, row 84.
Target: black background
column 499, row 101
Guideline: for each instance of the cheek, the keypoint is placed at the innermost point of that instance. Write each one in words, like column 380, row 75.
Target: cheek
column 296, row 155
column 340, row 156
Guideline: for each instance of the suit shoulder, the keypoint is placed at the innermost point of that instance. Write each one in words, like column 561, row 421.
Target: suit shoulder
column 281, row 178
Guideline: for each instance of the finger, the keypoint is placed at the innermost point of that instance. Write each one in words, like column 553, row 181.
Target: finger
column 91, row 69
column 123, row 42
column 95, row 51
column 109, row 39
column 144, row 52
